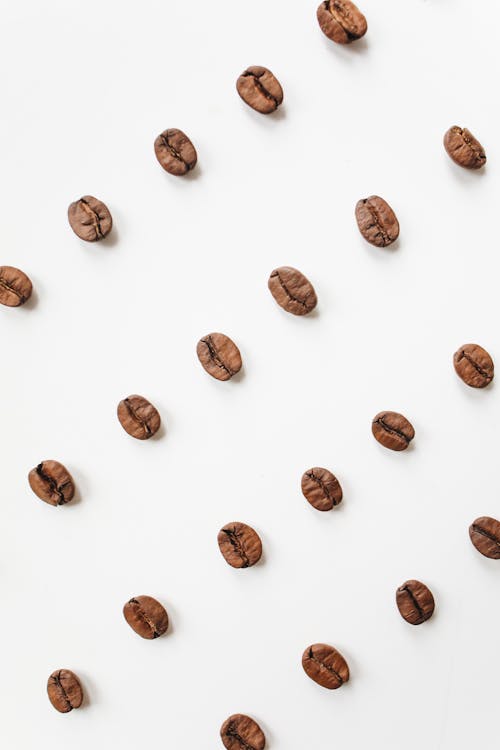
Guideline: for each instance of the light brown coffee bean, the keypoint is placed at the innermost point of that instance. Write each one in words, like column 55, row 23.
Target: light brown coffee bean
column 377, row 221
column 325, row 665
column 138, row 417
column 146, row 616
column 484, row 534
column 64, row 690
column 219, row 355
column 292, row 291
column 321, row 488
column 415, row 602
column 240, row 732
column 52, row 483
column 341, row 21
column 90, row 219
column 15, row 287
column 392, row 430
column 463, row 148
column 175, row 152
column 260, row 89
column 474, row 365
column 240, row 545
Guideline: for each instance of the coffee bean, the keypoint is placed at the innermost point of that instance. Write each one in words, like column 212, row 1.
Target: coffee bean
column 138, row 417
column 52, row 483
column 260, row 89
column 474, row 365
column 463, row 148
column 484, row 534
column 377, row 221
column 240, row 545
column 146, row 616
column 392, row 430
column 321, row 488
column 341, row 21
column 415, row 602
column 175, row 152
column 219, row 356
column 292, row 291
column 325, row 665
column 90, row 219
column 240, row 732
column 64, row 690
column 15, row 287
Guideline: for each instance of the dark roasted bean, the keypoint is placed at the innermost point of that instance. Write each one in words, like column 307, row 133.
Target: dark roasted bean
column 52, row 483
column 341, row 21
column 90, row 219
column 377, row 221
column 325, row 665
column 219, row 355
column 240, row 545
column 484, row 534
column 292, row 291
column 175, row 152
column 240, row 732
column 138, row 417
column 463, row 148
column 321, row 488
column 64, row 690
column 146, row 616
column 260, row 89
column 415, row 602
column 15, row 287
column 474, row 365
column 392, row 430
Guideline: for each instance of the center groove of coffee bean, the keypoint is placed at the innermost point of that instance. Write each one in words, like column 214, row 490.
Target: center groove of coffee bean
column 421, row 615
column 96, row 221
column 145, row 618
column 137, row 418
column 12, row 289
column 340, row 14
column 53, row 487
column 261, row 88
column 289, row 294
column 232, row 732
column 323, row 486
column 176, row 154
column 393, row 430
column 233, row 537
column 216, row 356
column 64, row 696
column 325, row 666
column 376, row 222
column 487, row 534
column 474, row 364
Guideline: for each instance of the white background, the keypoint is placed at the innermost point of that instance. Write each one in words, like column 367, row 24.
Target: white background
column 86, row 87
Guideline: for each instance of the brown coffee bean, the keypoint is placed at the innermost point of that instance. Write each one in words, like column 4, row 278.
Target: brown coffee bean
column 175, row 152
column 52, row 483
column 474, row 365
column 15, row 287
column 325, row 665
column 240, row 545
column 240, row 732
column 146, row 616
column 463, row 148
column 260, row 89
column 484, row 534
column 415, row 602
column 64, row 690
column 138, row 417
column 292, row 291
column 392, row 430
column 377, row 221
column 219, row 356
column 321, row 488
column 341, row 21
column 90, row 219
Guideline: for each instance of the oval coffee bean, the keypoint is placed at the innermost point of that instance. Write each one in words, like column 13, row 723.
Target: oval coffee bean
column 392, row 430
column 64, row 690
column 321, row 488
column 219, row 356
column 175, row 152
column 90, row 219
column 325, row 665
column 15, row 286
column 52, row 483
column 240, row 732
column 292, row 291
column 260, row 89
column 239, row 544
column 341, row 21
column 415, row 602
column 146, row 616
column 463, row 148
column 377, row 221
column 474, row 365
column 484, row 534
column 138, row 417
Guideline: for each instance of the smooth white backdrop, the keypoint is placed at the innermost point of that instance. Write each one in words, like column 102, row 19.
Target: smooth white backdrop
column 86, row 87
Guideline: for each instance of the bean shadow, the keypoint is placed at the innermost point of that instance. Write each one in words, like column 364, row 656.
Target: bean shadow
column 90, row 692
column 347, row 52
column 33, row 301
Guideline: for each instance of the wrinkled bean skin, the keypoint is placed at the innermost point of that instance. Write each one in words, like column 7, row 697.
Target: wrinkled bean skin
column 219, row 356
column 15, row 287
column 392, row 430
column 415, row 602
column 341, row 21
column 325, row 665
column 463, row 148
column 52, row 483
column 260, row 89
column 377, row 221
column 484, row 534
column 90, row 219
column 175, row 152
column 240, row 732
column 64, row 690
column 240, row 545
column 474, row 365
column 321, row 488
column 292, row 291
column 146, row 616
column 138, row 417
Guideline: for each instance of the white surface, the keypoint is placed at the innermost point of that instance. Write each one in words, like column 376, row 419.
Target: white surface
column 86, row 87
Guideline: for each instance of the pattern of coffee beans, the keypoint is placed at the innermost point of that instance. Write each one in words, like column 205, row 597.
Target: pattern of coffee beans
column 52, row 483
column 15, row 287
column 240, row 732
column 64, row 690
column 484, row 534
column 377, row 221
column 392, row 430
column 219, row 356
column 325, row 665
column 341, row 21
column 146, row 616
column 240, row 545
column 415, row 602
column 463, row 148
column 260, row 89
column 175, row 152
column 138, row 417
column 321, row 488
column 474, row 365
column 292, row 291
column 90, row 219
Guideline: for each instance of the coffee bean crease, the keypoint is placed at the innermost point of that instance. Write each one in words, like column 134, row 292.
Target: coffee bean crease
column 392, row 430
column 416, row 604
column 9, row 288
column 237, row 545
column 463, row 354
column 53, row 486
column 322, row 665
column 93, row 216
column 289, row 293
column 143, row 616
column 260, row 87
column 176, row 154
column 137, row 418
column 217, row 359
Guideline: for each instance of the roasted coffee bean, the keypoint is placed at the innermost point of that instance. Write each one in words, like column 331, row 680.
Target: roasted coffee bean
column 415, row 602
column 463, row 148
column 219, row 356
column 377, row 221
column 325, row 665
column 146, row 616
column 341, row 21
column 484, row 534
column 474, row 365
column 240, row 732
column 175, row 152
column 392, row 430
column 138, row 417
column 64, row 690
column 240, row 545
column 321, row 488
column 15, row 287
column 292, row 291
column 52, row 483
column 90, row 219
column 260, row 89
